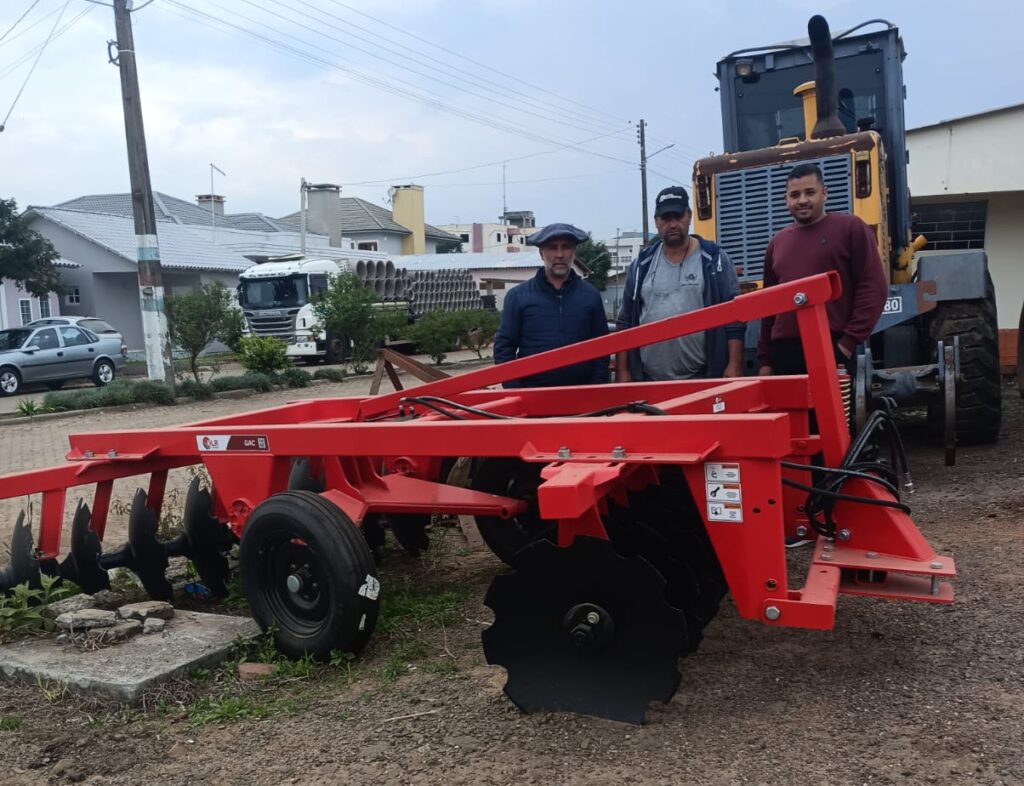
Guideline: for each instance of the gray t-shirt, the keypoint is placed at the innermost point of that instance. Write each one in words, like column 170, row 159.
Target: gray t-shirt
column 667, row 291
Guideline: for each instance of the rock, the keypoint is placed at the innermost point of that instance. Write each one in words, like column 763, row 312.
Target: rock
column 86, row 619
column 107, row 599
column 62, row 766
column 146, row 609
column 249, row 672
column 154, row 625
column 119, row 632
column 74, row 603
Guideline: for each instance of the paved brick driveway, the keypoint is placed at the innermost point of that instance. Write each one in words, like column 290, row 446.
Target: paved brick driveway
column 44, row 443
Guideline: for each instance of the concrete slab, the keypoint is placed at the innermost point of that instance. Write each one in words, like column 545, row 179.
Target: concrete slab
column 124, row 671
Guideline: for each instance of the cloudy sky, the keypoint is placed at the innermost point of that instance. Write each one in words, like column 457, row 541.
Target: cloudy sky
column 368, row 93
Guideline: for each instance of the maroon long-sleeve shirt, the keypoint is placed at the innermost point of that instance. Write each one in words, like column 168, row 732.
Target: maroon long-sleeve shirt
column 839, row 242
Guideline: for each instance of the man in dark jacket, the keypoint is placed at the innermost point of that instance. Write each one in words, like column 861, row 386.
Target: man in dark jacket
column 554, row 309
column 676, row 274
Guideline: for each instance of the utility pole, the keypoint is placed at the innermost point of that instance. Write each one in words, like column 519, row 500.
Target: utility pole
column 151, row 284
column 643, row 177
column 504, row 200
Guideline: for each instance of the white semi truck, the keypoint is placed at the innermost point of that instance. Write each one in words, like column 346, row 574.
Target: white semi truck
column 275, row 299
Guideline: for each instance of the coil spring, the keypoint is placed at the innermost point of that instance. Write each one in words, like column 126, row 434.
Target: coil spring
column 846, row 393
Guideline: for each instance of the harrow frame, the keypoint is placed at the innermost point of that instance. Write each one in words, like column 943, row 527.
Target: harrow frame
column 375, row 460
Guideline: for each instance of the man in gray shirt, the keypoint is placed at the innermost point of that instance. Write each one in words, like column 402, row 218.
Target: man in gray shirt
column 676, row 274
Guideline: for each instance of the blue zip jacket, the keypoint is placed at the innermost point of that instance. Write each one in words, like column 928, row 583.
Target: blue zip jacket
column 720, row 286
column 537, row 317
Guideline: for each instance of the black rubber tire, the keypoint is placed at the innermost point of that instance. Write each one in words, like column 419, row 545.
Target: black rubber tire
column 14, row 379
column 335, row 349
column 55, row 385
column 513, row 478
column 339, row 609
column 410, row 530
column 978, row 391
column 99, row 372
column 300, row 479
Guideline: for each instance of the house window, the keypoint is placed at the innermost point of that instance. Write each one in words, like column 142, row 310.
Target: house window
column 464, row 237
column 26, row 311
column 499, row 237
column 44, row 307
column 367, row 245
column 73, row 297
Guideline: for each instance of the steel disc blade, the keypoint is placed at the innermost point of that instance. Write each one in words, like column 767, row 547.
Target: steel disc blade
column 82, row 563
column 548, row 670
column 208, row 540
column 148, row 558
column 24, row 566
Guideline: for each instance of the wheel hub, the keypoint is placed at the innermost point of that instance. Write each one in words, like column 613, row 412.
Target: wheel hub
column 590, row 627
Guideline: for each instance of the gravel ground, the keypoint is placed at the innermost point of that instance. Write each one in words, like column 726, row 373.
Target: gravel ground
column 897, row 693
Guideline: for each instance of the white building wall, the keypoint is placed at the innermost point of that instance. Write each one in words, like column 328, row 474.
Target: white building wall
column 972, row 155
column 977, row 159
column 1004, row 244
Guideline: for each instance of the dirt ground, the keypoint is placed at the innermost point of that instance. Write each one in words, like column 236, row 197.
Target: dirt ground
column 898, row 693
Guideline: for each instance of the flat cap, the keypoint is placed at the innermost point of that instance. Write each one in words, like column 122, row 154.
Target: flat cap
column 551, row 231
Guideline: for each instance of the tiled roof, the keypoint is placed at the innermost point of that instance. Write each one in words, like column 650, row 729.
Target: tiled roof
column 358, row 215
column 171, row 209
column 181, row 247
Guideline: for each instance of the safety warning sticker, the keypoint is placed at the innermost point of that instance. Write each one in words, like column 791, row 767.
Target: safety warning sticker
column 726, row 473
column 725, row 511
column 724, row 492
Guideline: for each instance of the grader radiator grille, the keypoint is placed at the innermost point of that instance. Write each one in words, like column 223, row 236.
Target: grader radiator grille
column 750, row 207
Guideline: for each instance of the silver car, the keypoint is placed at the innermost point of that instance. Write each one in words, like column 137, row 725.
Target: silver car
column 53, row 355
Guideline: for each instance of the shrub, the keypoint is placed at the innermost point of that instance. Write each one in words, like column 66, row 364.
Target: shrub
column 251, row 381
column 333, row 373
column 197, row 390
column 295, row 377
column 150, row 392
column 117, row 393
column 477, row 328
column 436, row 333
column 263, row 354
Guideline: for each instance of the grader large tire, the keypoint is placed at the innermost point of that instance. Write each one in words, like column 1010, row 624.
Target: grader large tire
column 978, row 394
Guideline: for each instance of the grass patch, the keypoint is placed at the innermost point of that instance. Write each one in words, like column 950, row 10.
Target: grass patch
column 226, row 708
column 10, row 723
column 414, row 617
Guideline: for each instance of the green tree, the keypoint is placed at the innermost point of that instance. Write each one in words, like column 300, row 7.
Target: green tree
column 197, row 319
column 596, row 257
column 26, row 257
column 436, row 333
column 346, row 309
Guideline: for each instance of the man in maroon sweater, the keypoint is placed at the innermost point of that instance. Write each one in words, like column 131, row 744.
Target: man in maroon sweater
column 816, row 243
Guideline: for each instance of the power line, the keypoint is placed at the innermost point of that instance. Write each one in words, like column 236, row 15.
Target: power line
column 25, row 29
column 423, row 175
column 28, row 55
column 521, row 182
column 452, row 70
column 470, row 60
column 416, row 94
column 406, row 68
column 18, row 20
column 42, row 49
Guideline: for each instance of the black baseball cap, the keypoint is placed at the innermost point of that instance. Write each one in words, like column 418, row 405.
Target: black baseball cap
column 673, row 199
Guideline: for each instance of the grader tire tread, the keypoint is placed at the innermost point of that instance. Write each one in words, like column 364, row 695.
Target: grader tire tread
column 978, row 395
